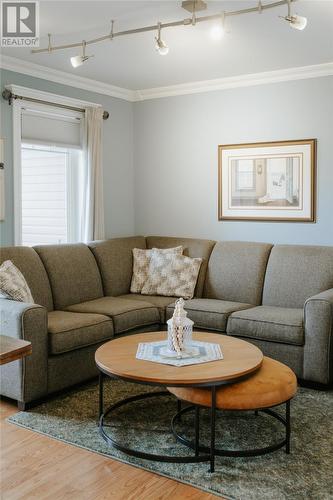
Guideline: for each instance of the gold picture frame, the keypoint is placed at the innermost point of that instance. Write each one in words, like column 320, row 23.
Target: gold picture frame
column 268, row 181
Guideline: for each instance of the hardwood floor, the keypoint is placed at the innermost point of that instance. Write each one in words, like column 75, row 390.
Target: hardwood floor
column 37, row 467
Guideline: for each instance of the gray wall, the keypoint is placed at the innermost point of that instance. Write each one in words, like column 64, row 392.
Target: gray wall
column 175, row 157
column 173, row 187
column 117, row 155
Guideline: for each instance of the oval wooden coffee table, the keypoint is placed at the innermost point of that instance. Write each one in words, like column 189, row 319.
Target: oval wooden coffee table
column 117, row 359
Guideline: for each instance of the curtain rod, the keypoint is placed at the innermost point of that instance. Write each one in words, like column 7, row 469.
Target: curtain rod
column 9, row 96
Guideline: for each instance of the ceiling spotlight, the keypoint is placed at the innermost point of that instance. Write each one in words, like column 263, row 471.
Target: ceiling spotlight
column 296, row 22
column 217, row 30
column 161, row 46
column 79, row 60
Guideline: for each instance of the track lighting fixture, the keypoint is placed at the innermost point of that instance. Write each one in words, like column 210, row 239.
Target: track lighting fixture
column 49, row 48
column 112, row 30
column 161, row 46
column 192, row 6
column 217, row 30
column 296, row 22
column 79, row 60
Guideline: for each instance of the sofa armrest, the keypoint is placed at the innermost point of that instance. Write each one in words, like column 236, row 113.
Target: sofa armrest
column 25, row 380
column 318, row 348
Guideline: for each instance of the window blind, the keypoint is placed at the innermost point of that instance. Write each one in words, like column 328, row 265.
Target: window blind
column 44, row 196
column 39, row 127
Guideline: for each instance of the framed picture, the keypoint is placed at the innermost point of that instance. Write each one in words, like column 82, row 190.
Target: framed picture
column 268, row 181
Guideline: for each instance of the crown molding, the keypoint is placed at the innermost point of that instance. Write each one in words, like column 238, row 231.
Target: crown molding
column 283, row 75
column 54, row 75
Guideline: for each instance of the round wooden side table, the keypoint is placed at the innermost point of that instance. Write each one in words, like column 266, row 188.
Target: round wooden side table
column 272, row 385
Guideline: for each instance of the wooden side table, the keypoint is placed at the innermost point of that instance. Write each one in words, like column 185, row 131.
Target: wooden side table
column 12, row 349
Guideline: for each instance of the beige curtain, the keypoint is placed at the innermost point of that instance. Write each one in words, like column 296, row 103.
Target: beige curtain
column 92, row 227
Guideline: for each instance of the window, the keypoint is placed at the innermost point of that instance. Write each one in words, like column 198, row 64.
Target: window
column 245, row 175
column 57, row 168
column 51, row 176
column 51, row 191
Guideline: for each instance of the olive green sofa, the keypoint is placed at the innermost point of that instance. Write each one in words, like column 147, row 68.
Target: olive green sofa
column 277, row 297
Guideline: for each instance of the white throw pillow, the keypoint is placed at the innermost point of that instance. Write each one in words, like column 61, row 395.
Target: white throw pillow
column 172, row 275
column 141, row 260
column 13, row 284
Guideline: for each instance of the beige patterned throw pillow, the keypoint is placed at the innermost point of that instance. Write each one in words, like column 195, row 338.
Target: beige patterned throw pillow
column 13, row 284
column 141, row 260
column 172, row 275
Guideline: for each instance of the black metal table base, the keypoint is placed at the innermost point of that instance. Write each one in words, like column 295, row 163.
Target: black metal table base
column 201, row 453
column 138, row 453
column 195, row 445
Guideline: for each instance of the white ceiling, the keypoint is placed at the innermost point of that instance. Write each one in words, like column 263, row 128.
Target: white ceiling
column 254, row 43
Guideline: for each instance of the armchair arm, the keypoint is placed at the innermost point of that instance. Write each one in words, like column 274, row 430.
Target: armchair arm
column 26, row 379
column 318, row 348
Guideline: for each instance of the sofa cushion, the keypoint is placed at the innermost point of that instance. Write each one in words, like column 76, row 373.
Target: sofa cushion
column 13, row 284
column 172, row 275
column 73, row 273
column 210, row 314
column 115, row 261
column 31, row 266
column 236, row 271
column 156, row 300
column 296, row 273
column 192, row 248
column 141, row 263
column 276, row 324
column 69, row 330
column 126, row 314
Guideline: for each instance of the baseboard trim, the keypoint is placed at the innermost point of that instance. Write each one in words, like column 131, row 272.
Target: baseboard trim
column 318, row 386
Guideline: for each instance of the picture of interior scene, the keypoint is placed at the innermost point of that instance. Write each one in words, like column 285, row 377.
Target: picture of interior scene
column 266, row 182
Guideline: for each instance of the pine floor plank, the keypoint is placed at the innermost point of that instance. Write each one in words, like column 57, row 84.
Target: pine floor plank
column 37, row 467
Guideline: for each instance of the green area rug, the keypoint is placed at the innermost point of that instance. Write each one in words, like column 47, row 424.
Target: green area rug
column 307, row 473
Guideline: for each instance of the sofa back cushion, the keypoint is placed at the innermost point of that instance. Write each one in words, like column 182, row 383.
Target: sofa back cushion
column 73, row 273
column 295, row 273
column 115, row 261
column 192, row 248
column 30, row 265
column 236, row 271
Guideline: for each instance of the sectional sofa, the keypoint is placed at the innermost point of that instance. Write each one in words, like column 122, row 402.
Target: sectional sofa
column 277, row 297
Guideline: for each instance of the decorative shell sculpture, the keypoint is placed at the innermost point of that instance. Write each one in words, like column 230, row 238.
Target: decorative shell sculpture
column 177, row 326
